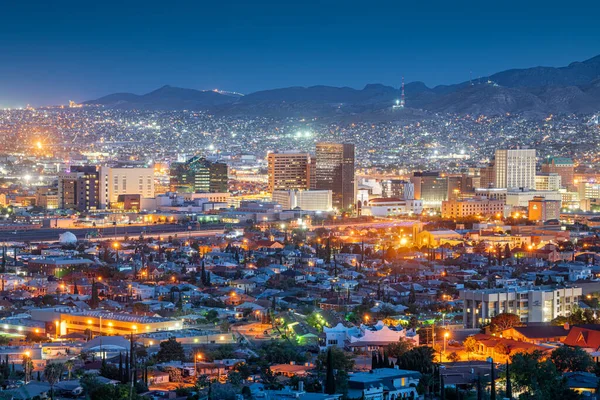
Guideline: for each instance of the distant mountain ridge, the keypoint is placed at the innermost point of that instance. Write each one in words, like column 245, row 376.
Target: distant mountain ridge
column 166, row 97
column 540, row 90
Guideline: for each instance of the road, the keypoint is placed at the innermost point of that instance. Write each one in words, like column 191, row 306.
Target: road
column 112, row 233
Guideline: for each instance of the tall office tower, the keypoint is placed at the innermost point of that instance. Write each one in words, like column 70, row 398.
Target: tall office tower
column 430, row 187
column 79, row 189
column 219, row 178
column 199, row 175
column 562, row 166
column 398, row 188
column 515, row 168
column 288, row 170
column 125, row 180
column 335, row 172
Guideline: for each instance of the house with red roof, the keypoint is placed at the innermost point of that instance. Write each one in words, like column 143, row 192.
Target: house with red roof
column 587, row 337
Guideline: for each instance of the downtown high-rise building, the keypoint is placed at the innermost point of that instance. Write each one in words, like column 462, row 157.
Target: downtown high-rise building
column 125, row 180
column 334, row 170
column 431, row 187
column 198, row 175
column 515, row 168
column 79, row 188
column 564, row 167
column 289, row 170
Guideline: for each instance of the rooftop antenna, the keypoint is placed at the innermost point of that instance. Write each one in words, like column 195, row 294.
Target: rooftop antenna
column 402, row 102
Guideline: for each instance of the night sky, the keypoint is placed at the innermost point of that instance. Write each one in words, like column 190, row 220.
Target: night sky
column 53, row 51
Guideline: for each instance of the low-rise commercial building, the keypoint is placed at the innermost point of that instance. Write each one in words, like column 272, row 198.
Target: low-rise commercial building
column 469, row 207
column 537, row 304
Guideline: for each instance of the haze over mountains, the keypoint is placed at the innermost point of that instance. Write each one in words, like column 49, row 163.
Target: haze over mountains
column 538, row 91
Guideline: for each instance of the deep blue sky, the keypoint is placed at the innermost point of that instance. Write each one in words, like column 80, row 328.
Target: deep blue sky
column 53, row 51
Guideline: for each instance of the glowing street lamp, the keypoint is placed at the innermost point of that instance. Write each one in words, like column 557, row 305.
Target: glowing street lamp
column 26, row 358
column 446, row 336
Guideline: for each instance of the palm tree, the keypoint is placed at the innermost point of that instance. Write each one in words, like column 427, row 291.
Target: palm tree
column 52, row 373
column 69, row 366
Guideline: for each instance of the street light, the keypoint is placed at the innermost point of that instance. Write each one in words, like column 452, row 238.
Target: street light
column 198, row 357
column 26, row 358
column 446, row 335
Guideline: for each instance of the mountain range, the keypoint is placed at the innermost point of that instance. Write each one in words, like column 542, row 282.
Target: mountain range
column 538, row 91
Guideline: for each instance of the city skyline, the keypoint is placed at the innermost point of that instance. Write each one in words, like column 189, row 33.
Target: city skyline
column 73, row 51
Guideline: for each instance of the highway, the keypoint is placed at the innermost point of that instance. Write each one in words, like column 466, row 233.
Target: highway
column 113, row 233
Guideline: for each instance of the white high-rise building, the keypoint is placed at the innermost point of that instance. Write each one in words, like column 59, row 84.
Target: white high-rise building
column 125, row 180
column 515, row 168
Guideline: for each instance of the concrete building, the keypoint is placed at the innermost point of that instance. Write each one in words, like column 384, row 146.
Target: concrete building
column 398, row 188
column 115, row 182
column 386, row 207
column 334, row 170
column 470, row 207
column 521, row 198
column 460, row 186
column 430, row 187
column 548, row 181
column 101, row 322
column 79, row 189
column 588, row 190
column 289, row 170
column 562, row 166
column 46, row 197
column 309, row 200
column 515, row 168
column 487, row 177
column 534, row 304
column 541, row 209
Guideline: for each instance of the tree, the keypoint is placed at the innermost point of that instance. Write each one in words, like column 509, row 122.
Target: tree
column 453, row 357
column 170, row 350
column 412, row 296
column 69, row 366
column 396, row 349
column 538, row 378
column 504, row 321
column 341, row 360
column 470, row 344
column 493, row 381
column 508, row 383
column 418, row 359
column 329, row 377
column 52, row 373
column 571, row 359
column 315, row 319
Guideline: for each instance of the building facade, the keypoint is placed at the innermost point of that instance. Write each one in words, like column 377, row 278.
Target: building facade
column 430, row 187
column 541, row 209
column 289, row 170
column 515, row 168
column 562, row 166
column 198, row 175
column 121, row 181
column 334, row 170
column 471, row 207
column 309, row 200
column 548, row 181
column 79, row 188
column 537, row 304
